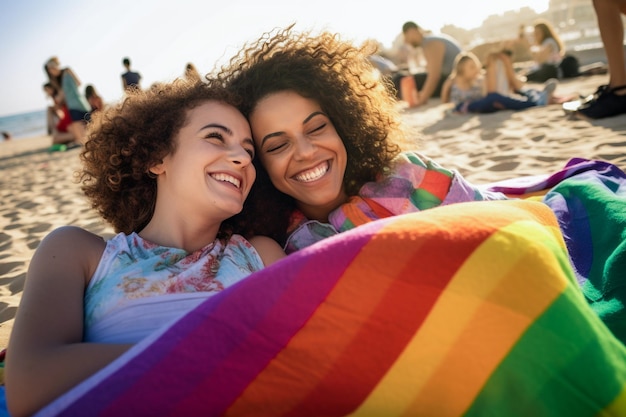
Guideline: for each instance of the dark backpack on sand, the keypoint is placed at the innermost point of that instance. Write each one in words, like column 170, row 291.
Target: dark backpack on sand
column 569, row 67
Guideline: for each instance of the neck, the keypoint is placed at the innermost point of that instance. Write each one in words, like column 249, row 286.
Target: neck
column 183, row 232
column 321, row 212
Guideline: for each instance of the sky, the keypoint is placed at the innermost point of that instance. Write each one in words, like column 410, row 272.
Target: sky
column 161, row 37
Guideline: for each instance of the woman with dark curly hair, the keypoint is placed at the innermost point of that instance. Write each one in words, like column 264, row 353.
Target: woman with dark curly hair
column 326, row 128
column 165, row 167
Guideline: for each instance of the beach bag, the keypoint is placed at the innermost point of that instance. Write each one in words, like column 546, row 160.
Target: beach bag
column 569, row 67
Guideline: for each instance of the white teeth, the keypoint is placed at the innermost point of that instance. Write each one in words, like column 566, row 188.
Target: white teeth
column 227, row 178
column 313, row 174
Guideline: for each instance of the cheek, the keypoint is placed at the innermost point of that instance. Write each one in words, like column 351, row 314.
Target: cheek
column 275, row 167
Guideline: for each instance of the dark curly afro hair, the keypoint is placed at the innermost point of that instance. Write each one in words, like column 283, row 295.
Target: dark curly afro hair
column 125, row 140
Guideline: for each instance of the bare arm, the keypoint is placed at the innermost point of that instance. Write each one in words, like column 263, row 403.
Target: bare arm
column 269, row 250
column 46, row 349
column 445, row 90
column 433, row 53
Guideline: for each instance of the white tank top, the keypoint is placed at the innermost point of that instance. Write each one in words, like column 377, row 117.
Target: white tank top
column 139, row 287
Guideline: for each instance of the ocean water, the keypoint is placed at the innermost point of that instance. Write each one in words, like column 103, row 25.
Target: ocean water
column 24, row 125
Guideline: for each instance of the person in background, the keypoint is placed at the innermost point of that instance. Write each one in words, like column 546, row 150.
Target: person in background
column 167, row 193
column 94, row 99
column 130, row 79
column 473, row 90
column 547, row 53
column 58, row 117
column 67, row 83
column 439, row 52
column 609, row 100
column 6, row 135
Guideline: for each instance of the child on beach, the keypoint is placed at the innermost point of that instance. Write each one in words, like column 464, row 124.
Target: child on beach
column 166, row 167
column 473, row 90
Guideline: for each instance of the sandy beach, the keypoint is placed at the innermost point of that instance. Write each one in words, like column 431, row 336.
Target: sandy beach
column 40, row 193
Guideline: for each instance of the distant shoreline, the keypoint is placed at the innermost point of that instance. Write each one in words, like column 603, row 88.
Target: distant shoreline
column 24, row 145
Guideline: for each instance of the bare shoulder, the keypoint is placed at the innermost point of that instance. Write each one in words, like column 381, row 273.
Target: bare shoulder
column 269, row 250
column 73, row 236
column 70, row 245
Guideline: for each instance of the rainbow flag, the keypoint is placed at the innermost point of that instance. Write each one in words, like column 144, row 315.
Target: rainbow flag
column 471, row 309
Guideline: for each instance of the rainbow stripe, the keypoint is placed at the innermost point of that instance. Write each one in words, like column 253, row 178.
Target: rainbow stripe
column 468, row 310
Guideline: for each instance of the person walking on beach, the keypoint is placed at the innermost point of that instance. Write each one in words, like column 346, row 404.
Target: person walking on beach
column 167, row 193
column 67, row 83
column 439, row 52
column 130, row 79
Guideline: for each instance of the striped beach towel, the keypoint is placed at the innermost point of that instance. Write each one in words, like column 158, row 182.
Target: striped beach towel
column 588, row 197
column 471, row 309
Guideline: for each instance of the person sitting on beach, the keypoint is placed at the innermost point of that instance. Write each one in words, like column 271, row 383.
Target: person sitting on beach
column 130, row 79
column 439, row 52
column 473, row 91
column 166, row 168
column 66, row 81
column 610, row 99
column 547, row 53
column 94, row 99
column 6, row 135
column 326, row 136
column 58, row 117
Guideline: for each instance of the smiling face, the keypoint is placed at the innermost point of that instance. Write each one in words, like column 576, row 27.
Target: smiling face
column 210, row 173
column 301, row 151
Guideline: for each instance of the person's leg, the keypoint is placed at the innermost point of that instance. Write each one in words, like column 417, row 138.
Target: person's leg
column 610, row 100
column 512, row 78
column 51, row 119
column 612, row 34
column 77, row 129
column 497, row 76
column 493, row 102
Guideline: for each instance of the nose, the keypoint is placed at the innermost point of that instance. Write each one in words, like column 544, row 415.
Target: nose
column 239, row 155
column 304, row 148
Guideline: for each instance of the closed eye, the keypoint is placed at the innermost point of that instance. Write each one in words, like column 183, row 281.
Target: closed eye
column 275, row 148
column 214, row 135
column 317, row 129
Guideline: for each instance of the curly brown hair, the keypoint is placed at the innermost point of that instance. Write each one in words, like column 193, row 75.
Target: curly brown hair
column 338, row 75
column 127, row 139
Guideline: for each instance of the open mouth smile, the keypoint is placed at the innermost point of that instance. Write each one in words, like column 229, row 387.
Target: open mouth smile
column 313, row 174
column 227, row 178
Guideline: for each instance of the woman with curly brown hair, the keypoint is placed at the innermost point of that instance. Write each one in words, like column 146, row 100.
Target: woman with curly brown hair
column 165, row 167
column 326, row 128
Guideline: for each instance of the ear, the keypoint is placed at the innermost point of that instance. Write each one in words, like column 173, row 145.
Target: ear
column 158, row 169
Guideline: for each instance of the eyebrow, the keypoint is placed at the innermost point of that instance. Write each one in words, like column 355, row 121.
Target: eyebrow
column 225, row 129
column 309, row 117
column 218, row 126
